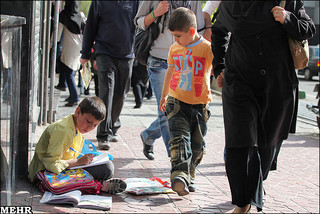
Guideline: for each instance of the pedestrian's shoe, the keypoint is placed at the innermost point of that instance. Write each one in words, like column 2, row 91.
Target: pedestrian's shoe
column 114, row 138
column 104, row 144
column 70, row 104
column 113, row 186
column 60, row 88
column 192, row 187
column 147, row 150
column 264, row 197
column 87, row 92
column 245, row 209
column 67, row 99
column 137, row 106
column 179, row 185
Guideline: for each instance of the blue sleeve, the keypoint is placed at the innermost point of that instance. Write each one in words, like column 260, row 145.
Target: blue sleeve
column 90, row 30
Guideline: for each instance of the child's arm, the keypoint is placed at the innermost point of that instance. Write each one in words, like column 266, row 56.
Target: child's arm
column 165, row 89
column 84, row 160
column 55, row 156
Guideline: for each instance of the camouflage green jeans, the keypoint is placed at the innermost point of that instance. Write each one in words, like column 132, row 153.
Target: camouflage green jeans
column 188, row 126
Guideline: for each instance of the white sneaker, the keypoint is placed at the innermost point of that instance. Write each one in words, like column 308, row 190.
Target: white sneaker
column 114, row 138
column 104, row 145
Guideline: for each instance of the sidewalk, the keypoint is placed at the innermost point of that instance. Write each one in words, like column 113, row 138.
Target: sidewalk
column 293, row 188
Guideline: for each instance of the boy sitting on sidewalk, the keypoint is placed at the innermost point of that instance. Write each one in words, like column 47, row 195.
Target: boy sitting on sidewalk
column 54, row 151
column 185, row 97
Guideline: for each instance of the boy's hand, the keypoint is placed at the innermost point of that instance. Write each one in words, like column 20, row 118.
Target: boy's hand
column 85, row 159
column 163, row 103
column 220, row 79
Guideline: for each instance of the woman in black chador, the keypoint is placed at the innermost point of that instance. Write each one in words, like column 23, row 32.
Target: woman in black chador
column 252, row 61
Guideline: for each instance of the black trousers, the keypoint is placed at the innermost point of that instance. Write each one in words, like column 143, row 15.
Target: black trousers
column 246, row 169
column 114, row 75
column 139, row 82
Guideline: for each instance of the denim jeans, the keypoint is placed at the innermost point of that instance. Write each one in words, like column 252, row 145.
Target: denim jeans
column 188, row 126
column 69, row 76
column 159, row 127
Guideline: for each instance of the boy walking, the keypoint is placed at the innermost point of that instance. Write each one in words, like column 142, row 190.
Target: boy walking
column 185, row 97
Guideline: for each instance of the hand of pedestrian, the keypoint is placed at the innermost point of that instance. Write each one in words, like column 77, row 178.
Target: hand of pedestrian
column 163, row 103
column 207, row 34
column 220, row 79
column 279, row 14
column 95, row 65
column 85, row 159
column 83, row 61
column 162, row 8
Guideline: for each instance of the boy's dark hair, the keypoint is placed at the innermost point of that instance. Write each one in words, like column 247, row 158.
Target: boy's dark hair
column 93, row 105
column 182, row 19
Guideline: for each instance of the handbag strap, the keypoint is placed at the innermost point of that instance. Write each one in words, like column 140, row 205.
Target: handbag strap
column 283, row 3
column 158, row 20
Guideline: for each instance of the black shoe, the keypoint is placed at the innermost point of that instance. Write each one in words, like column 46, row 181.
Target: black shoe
column 137, row 106
column 67, row 99
column 192, row 187
column 147, row 150
column 87, row 92
column 60, row 88
column 69, row 104
column 179, row 185
column 113, row 186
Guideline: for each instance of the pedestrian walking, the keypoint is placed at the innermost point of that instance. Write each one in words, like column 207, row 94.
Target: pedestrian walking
column 185, row 98
column 139, row 82
column 149, row 12
column 70, row 23
column 110, row 28
column 259, row 88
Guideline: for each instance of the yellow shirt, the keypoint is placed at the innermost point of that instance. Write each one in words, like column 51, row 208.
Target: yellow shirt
column 190, row 81
column 52, row 149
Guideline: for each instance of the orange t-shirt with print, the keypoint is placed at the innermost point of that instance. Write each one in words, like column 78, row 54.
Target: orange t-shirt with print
column 190, row 81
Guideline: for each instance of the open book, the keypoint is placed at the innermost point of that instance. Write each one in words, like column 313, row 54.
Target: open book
column 75, row 198
column 97, row 160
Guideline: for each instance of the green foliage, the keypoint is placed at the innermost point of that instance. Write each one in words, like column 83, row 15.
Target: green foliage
column 84, row 7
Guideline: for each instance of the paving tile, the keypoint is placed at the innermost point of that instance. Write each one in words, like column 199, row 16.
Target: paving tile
column 293, row 188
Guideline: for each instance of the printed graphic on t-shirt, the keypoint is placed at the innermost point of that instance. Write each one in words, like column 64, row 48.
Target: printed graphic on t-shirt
column 186, row 69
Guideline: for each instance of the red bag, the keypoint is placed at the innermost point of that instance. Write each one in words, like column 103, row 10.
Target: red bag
column 68, row 180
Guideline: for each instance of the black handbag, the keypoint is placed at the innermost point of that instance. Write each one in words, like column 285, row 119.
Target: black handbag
column 144, row 40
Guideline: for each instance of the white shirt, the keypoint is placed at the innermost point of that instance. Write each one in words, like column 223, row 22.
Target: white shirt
column 210, row 6
column 71, row 47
